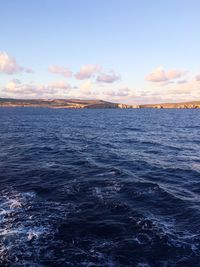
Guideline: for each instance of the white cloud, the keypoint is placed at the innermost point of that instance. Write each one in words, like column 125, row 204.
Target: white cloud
column 60, row 70
column 86, row 87
column 197, row 77
column 108, row 78
column 60, row 85
column 28, row 70
column 15, row 88
column 177, row 92
column 160, row 75
column 121, row 92
column 182, row 81
column 8, row 64
column 88, row 71
column 174, row 91
column 61, row 89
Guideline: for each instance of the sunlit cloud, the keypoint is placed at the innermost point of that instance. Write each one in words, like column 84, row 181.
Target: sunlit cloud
column 197, row 77
column 108, row 78
column 60, row 85
column 86, row 87
column 66, row 72
column 9, row 65
column 182, row 82
column 101, row 85
column 182, row 91
column 28, row 70
column 15, row 88
column 160, row 75
column 88, row 71
column 121, row 92
column 61, row 89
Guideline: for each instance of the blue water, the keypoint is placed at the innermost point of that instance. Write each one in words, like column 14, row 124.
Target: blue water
column 99, row 187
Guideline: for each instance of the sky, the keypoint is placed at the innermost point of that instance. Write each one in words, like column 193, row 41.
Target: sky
column 126, row 51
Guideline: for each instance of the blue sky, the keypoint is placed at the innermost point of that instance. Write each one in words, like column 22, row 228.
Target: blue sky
column 129, row 51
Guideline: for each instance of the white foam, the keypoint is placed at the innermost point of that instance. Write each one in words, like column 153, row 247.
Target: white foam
column 14, row 204
column 106, row 173
column 4, row 212
column 97, row 192
column 108, row 191
column 17, row 227
column 26, row 226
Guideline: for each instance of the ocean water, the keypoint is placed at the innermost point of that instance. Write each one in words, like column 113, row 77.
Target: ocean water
column 107, row 188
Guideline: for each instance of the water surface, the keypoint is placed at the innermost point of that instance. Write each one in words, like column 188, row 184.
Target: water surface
column 99, row 187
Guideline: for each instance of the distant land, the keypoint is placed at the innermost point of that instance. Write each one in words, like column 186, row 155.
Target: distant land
column 78, row 103
column 191, row 104
column 60, row 103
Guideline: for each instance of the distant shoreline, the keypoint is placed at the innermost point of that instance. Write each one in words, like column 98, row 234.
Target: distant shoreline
column 94, row 104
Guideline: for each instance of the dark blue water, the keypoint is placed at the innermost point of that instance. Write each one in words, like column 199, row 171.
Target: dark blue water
column 99, row 188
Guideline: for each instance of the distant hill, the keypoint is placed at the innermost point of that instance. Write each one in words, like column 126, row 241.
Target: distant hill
column 191, row 104
column 60, row 103
column 78, row 103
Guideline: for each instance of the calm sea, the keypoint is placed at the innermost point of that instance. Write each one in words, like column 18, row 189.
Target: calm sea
column 107, row 188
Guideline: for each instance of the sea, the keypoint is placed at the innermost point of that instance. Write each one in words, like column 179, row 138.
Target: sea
column 99, row 187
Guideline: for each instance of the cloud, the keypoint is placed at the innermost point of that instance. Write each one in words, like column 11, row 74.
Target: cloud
column 8, row 64
column 60, row 70
column 182, row 91
column 182, row 81
column 15, row 88
column 160, row 75
column 108, row 78
column 60, row 85
column 17, row 81
column 88, row 71
column 62, row 89
column 86, row 87
column 125, row 91
column 197, row 77
column 28, row 70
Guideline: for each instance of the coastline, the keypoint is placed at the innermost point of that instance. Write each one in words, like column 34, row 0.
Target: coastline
column 89, row 104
